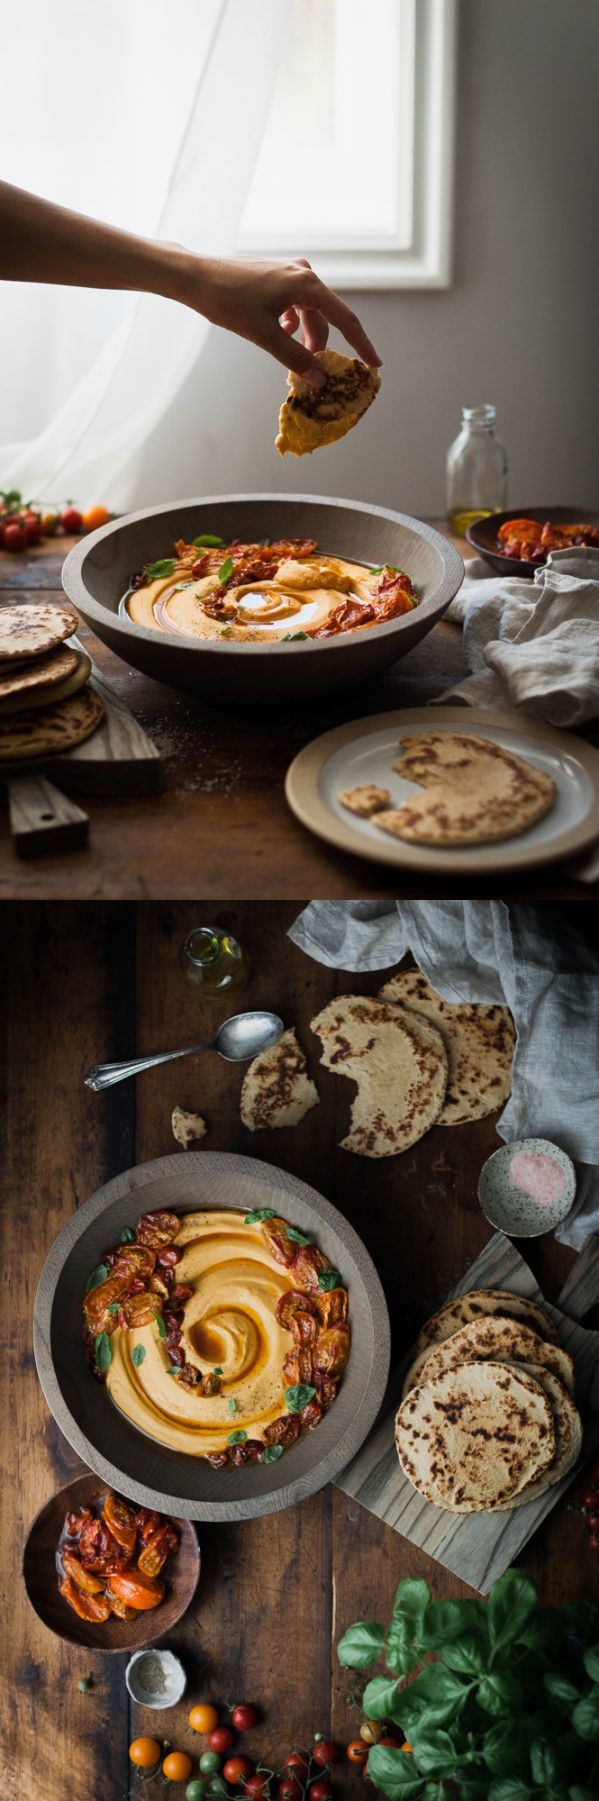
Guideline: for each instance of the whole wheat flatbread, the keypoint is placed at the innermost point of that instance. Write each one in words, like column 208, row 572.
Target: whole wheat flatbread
column 473, row 791
column 41, row 672
column 479, row 1041
column 399, row 1064
column 52, row 730
column 501, row 1340
column 567, row 1426
column 277, row 1090
column 29, row 631
column 475, row 1436
column 310, row 417
column 29, row 696
column 480, row 1303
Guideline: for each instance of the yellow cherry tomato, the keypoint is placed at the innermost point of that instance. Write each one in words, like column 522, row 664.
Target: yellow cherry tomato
column 94, row 517
column 407, row 1747
column 145, row 1752
column 177, row 1766
column 370, row 1732
column 49, row 524
column 203, row 1717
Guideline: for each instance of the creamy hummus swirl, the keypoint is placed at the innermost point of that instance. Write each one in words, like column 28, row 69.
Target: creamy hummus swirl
column 229, row 1323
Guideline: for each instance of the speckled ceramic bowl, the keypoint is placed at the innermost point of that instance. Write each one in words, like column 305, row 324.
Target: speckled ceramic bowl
column 512, row 1208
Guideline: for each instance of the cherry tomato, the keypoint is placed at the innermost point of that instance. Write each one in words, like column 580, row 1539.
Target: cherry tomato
column 121, row 1520
column 290, row 1789
column 94, row 517
column 237, row 1769
column 196, row 1790
column 221, row 1738
column 138, row 1591
column 71, row 520
column 177, row 1766
column 407, row 1747
column 592, row 1521
column 13, row 537
column 49, row 524
column 210, row 1763
column 203, row 1717
column 357, row 1751
column 299, row 1761
column 590, row 1499
column 388, row 1739
column 257, row 1786
column 371, row 1732
column 33, row 528
column 320, row 1791
column 145, row 1752
column 594, row 1543
column 325, row 1752
column 244, row 1717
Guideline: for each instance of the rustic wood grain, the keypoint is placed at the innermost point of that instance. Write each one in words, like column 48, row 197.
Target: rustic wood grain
column 83, row 983
column 222, row 823
column 42, row 817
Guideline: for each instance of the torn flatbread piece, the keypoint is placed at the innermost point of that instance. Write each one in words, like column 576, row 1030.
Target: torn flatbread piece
column 188, row 1128
column 311, row 417
column 277, row 1090
column 365, row 800
column 399, row 1065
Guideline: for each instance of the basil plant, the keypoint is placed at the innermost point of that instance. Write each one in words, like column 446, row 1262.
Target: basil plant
column 503, row 1698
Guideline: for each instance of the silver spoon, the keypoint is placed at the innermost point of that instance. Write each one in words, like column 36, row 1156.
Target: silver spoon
column 237, row 1040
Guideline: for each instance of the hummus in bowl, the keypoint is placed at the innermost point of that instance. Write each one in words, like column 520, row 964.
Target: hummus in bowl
column 220, row 1334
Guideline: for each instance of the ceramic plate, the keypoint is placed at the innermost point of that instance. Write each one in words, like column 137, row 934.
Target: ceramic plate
column 364, row 750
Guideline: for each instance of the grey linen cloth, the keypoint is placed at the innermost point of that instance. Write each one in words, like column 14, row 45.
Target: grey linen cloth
column 532, row 644
column 529, row 959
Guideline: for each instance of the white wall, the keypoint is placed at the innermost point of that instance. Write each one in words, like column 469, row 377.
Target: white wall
column 519, row 327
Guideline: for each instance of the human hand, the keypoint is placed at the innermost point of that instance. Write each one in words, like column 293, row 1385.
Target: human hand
column 268, row 302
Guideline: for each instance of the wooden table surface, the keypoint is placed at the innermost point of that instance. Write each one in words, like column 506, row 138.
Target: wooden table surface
column 84, row 984
column 222, row 822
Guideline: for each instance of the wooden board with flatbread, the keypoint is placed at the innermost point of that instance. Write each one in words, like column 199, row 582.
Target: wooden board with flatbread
column 311, row 417
column 478, row 1546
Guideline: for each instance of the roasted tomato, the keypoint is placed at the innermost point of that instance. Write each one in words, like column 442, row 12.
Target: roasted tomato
column 307, row 1265
column 327, row 1390
column 181, row 1293
column 121, row 1522
column 190, row 1376
column 158, row 1284
column 294, row 1301
column 212, row 1385
column 518, row 528
column 139, row 1310
column 75, row 1521
column 274, row 1233
column 156, row 1550
column 78, row 1574
column 303, row 1328
column 331, row 1306
column 118, row 1607
column 217, row 1459
column 134, row 1259
column 157, row 1228
column 147, row 1523
column 332, row 1350
column 137, row 1590
column 395, row 595
column 169, row 1256
column 297, row 1367
column 312, row 1414
column 89, row 1607
column 100, row 1552
column 98, row 1303
column 283, row 1431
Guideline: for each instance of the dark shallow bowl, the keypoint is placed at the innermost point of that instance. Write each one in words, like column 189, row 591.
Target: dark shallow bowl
column 97, row 573
column 41, row 1578
column 127, row 1460
column 483, row 534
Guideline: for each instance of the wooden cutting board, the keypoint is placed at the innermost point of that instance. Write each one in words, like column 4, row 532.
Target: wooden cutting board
column 119, row 758
column 479, row 1547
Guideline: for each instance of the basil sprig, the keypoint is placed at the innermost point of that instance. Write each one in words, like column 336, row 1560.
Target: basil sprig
column 260, row 1213
column 138, row 1354
column 329, row 1278
column 297, row 1398
column 99, row 1274
column 237, row 1438
column 103, row 1351
column 226, row 570
column 271, row 1453
column 155, row 572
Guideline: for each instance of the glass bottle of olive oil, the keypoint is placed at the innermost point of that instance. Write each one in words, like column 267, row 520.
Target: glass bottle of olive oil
column 476, row 470
column 214, row 961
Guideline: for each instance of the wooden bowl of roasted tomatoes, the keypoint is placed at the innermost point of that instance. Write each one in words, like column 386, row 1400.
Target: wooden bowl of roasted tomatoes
column 103, row 1572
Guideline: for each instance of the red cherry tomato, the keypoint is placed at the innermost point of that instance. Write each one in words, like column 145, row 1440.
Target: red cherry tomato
column 325, row 1752
column 320, row 1791
column 71, row 520
column 389, row 1740
column 33, row 529
column 14, row 536
column 290, row 1789
column 592, row 1521
column 590, row 1499
column 221, row 1738
column 244, row 1717
column 257, row 1786
column 357, row 1752
column 300, row 1762
column 594, row 1543
column 237, row 1769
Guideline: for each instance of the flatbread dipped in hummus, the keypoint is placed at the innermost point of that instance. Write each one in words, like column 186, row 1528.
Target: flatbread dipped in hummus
column 311, row 417
column 219, row 1334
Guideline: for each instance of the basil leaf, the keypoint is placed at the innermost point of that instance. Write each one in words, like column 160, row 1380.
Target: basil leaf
column 329, row 1278
column 98, row 1275
column 499, row 1694
column 561, row 1691
column 226, row 570
column 512, row 1602
column 298, row 1237
column 160, row 1324
column 217, row 1372
column 590, row 1660
column 127, row 1235
column 237, row 1438
column 173, row 1369
column 585, row 1718
column 466, row 1654
column 435, row 1752
column 437, row 1696
column 379, row 1698
column 157, row 571
column 232, row 1406
column 294, row 637
column 412, row 1597
column 297, row 1398
column 138, row 1354
column 264, row 543
column 272, row 1453
column 361, row 1645
column 260, row 1213
column 510, row 1788
column 103, row 1351
column 114, row 1307
column 393, row 1772
column 446, row 1620
column 207, row 541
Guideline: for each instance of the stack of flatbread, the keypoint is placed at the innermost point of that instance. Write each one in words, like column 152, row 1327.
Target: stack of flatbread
column 417, row 1060
column 488, row 1419
column 46, row 705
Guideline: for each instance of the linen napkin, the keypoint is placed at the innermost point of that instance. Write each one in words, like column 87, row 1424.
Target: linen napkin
column 532, row 644
column 527, row 958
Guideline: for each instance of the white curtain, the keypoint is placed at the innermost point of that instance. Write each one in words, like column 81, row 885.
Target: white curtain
column 150, row 117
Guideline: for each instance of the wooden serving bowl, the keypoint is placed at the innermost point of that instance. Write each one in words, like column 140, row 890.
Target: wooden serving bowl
column 41, row 1577
column 98, row 571
column 132, row 1463
column 482, row 535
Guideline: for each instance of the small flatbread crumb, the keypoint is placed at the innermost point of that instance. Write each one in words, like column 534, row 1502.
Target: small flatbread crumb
column 187, row 1127
column 364, row 800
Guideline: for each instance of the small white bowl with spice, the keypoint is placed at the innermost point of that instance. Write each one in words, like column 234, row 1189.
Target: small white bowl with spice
column 527, row 1187
column 155, row 1678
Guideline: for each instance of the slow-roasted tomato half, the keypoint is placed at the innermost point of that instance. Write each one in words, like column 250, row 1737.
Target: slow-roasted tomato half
column 137, row 1590
column 76, row 1571
column 89, row 1607
column 308, row 1264
column 98, row 1303
column 156, row 1229
column 282, row 1248
column 121, row 1522
column 156, row 1550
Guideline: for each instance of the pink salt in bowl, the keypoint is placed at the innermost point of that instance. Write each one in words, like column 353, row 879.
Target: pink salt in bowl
column 527, row 1187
